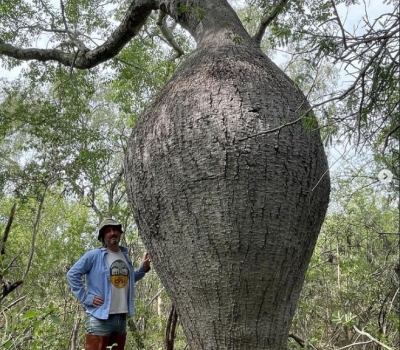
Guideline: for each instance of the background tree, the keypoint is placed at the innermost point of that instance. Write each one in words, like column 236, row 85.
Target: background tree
column 353, row 280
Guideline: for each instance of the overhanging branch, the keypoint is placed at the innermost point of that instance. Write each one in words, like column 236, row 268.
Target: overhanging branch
column 129, row 27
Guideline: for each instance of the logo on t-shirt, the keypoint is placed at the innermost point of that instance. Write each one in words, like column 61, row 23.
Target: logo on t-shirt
column 119, row 274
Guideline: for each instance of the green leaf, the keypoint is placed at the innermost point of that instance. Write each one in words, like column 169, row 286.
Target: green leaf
column 55, row 319
column 30, row 314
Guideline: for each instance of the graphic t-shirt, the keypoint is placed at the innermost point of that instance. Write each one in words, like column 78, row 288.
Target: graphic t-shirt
column 119, row 278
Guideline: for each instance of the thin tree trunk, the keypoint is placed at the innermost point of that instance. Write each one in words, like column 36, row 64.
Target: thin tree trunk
column 74, row 333
column 170, row 331
column 35, row 232
column 7, row 229
column 6, row 286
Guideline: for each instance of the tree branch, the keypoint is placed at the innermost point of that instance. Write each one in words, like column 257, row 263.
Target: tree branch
column 340, row 24
column 74, row 334
column 161, row 23
column 372, row 338
column 300, row 341
column 14, row 303
column 35, row 232
column 266, row 21
column 6, row 286
column 156, row 296
column 131, row 24
column 388, row 136
column 111, row 193
column 7, row 230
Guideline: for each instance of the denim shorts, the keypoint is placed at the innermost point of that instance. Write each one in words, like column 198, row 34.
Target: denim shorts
column 115, row 324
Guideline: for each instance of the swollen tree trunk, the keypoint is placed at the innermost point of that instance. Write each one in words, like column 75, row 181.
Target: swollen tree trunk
column 229, row 193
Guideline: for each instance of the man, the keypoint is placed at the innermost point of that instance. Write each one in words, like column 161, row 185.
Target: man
column 109, row 294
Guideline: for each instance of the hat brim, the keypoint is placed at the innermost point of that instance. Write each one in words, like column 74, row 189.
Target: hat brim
column 101, row 232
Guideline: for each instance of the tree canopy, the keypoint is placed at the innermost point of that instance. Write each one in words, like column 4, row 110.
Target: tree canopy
column 85, row 35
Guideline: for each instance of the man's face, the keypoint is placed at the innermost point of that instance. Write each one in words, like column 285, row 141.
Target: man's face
column 111, row 236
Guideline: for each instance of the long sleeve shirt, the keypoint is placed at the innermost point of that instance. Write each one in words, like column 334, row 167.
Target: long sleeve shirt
column 93, row 265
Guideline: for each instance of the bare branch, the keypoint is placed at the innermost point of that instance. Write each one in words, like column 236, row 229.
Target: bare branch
column 355, row 344
column 74, row 333
column 7, row 230
column 7, row 288
column 300, row 341
column 35, row 233
column 48, row 11
column 63, row 15
column 161, row 23
column 111, row 193
column 132, row 65
column 92, row 200
column 372, row 338
column 133, row 21
column 278, row 128
column 13, row 303
column 155, row 296
column 340, row 24
column 388, row 136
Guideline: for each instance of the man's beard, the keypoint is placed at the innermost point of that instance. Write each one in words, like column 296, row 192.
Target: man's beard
column 114, row 240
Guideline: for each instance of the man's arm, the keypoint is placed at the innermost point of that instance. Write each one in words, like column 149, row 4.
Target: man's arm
column 74, row 277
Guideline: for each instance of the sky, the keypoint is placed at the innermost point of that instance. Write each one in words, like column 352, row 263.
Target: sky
column 346, row 157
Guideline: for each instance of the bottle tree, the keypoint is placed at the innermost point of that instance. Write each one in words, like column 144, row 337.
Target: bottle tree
column 225, row 173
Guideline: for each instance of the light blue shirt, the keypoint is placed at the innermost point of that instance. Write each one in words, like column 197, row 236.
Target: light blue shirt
column 93, row 265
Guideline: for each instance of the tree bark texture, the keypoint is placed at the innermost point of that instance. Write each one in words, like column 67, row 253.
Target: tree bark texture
column 230, row 218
